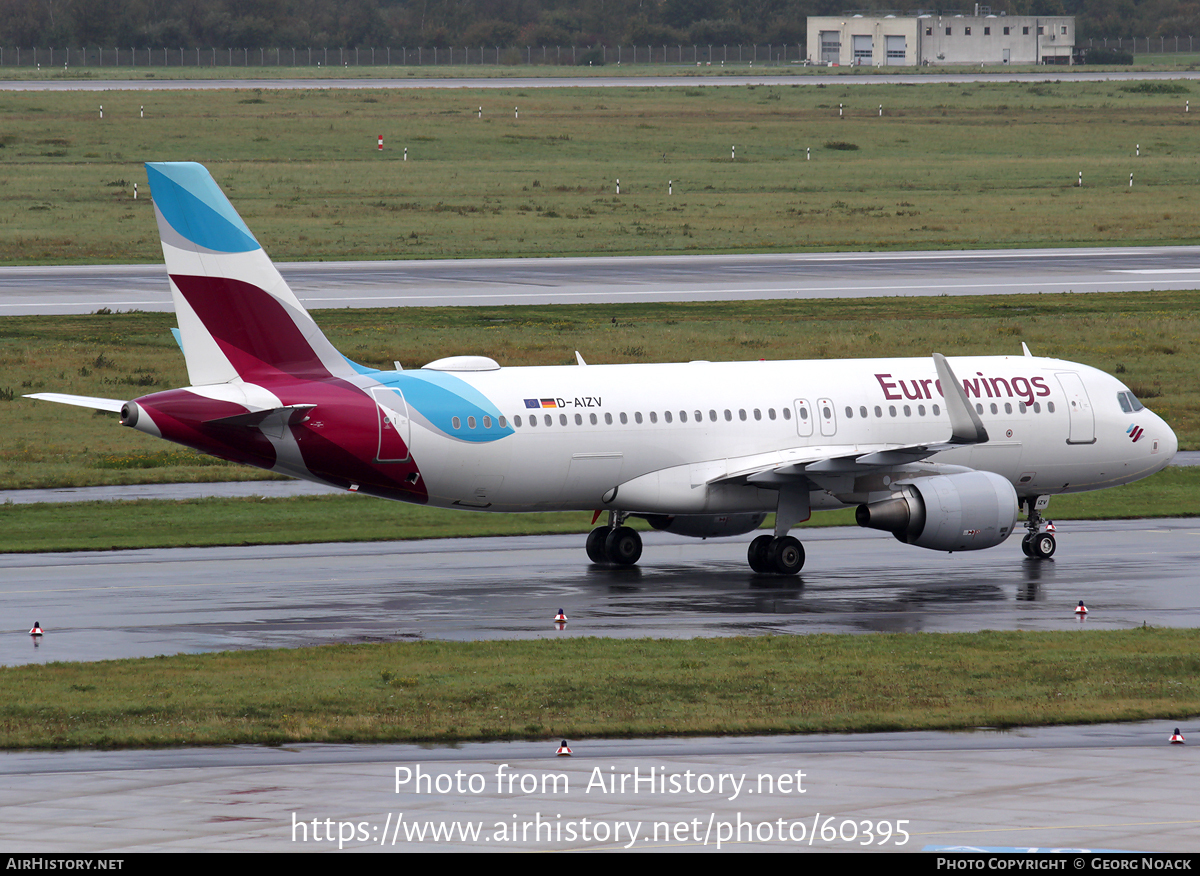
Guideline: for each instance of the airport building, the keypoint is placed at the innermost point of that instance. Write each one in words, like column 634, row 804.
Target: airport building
column 932, row 38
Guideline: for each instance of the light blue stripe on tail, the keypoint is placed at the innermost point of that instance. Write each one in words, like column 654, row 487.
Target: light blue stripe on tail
column 196, row 209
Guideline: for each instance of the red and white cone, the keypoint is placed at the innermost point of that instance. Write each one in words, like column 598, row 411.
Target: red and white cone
column 37, row 629
column 560, row 618
column 1081, row 609
column 1177, row 737
column 564, row 750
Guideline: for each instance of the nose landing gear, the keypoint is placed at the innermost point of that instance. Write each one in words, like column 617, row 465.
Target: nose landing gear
column 1039, row 543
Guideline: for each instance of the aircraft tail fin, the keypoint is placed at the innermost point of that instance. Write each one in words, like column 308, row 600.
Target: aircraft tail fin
column 237, row 316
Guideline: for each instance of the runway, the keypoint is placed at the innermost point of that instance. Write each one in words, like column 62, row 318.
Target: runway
column 1115, row 787
column 467, row 282
column 108, row 604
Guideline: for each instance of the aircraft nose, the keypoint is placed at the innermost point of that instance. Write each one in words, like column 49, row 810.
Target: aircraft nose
column 1170, row 443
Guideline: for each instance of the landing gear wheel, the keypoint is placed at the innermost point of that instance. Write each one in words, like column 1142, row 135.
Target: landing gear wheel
column 623, row 546
column 595, row 544
column 786, row 555
column 757, row 555
column 1042, row 546
column 1027, row 546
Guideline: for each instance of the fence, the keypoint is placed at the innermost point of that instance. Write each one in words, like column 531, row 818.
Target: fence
column 1148, row 45
column 421, row 56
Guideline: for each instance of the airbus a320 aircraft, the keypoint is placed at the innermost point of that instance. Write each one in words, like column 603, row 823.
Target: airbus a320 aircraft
column 942, row 453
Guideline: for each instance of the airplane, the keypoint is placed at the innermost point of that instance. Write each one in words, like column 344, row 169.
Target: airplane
column 942, row 453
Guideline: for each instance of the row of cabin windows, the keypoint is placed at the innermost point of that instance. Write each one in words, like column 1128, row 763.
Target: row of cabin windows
column 667, row 416
column 892, row 411
column 743, row 416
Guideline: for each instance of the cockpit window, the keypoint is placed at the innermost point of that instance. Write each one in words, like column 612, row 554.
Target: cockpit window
column 1129, row 402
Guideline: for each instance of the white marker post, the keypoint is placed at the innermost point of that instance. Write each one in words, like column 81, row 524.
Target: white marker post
column 808, row 153
column 135, row 191
column 516, row 115
column 481, row 112
column 102, row 111
column 406, row 153
column 733, row 153
column 1137, row 151
column 1131, row 180
column 881, row 111
column 1081, row 179
column 141, row 112
column 618, row 187
column 839, row 110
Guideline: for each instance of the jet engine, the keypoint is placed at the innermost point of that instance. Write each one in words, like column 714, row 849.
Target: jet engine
column 959, row 512
column 706, row 525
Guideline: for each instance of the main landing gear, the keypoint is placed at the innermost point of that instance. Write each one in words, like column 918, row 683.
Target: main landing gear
column 1039, row 543
column 782, row 555
column 614, row 543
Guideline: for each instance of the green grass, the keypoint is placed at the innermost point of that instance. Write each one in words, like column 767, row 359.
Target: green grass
column 977, row 165
column 574, row 688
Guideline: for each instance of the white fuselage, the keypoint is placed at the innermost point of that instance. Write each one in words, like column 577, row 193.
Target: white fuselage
column 1053, row 427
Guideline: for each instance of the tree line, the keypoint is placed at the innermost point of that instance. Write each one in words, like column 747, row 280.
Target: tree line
column 445, row 23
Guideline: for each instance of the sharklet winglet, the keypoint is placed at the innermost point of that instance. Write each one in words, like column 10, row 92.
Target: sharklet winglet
column 965, row 424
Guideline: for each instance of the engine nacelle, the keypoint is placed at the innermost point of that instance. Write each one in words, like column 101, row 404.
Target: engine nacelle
column 706, row 525
column 959, row 512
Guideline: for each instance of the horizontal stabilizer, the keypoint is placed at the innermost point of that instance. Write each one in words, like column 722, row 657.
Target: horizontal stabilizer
column 293, row 414
column 82, row 401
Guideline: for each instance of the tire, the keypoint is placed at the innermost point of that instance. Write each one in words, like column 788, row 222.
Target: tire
column 1043, row 546
column 1027, row 546
column 623, row 546
column 595, row 544
column 757, row 554
column 786, row 556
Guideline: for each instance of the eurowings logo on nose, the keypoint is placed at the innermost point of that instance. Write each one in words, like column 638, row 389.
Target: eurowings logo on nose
column 1135, row 432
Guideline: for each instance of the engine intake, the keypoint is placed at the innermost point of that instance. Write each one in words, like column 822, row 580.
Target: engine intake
column 960, row 512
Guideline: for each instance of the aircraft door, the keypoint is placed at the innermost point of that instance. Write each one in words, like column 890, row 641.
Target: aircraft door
column 828, row 415
column 1079, row 409
column 804, row 418
column 394, row 431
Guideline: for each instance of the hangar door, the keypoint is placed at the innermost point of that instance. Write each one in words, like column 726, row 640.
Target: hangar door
column 862, row 50
column 895, row 49
column 831, row 47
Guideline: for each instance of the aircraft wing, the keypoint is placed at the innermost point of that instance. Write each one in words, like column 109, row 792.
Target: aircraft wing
column 82, row 401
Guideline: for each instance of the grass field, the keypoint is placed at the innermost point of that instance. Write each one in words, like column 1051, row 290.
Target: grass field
column 575, row 688
column 981, row 165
